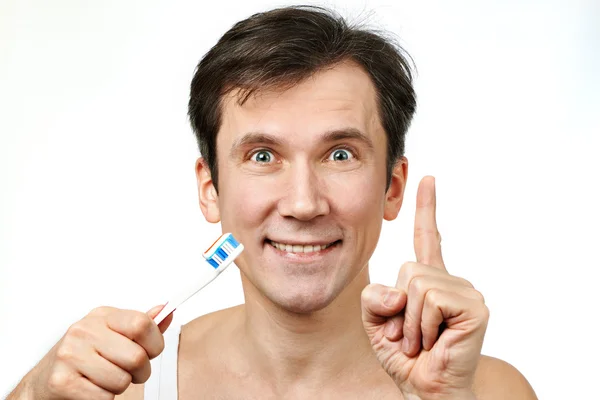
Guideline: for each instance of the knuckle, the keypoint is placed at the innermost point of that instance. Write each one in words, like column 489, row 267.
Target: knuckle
column 477, row 295
column 417, row 285
column 486, row 312
column 364, row 295
column 480, row 296
column 123, row 380
column 140, row 324
column 64, row 352
column 156, row 347
column 58, row 382
column 142, row 375
column 408, row 268
column 465, row 282
column 138, row 357
column 432, row 298
column 160, row 346
column 484, row 316
column 407, row 271
column 367, row 293
column 78, row 330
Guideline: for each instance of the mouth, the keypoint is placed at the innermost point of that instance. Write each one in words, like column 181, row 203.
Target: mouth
column 301, row 249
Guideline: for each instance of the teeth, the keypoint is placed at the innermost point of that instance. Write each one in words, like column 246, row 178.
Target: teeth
column 298, row 248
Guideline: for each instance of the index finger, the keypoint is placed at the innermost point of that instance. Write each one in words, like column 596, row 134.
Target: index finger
column 427, row 238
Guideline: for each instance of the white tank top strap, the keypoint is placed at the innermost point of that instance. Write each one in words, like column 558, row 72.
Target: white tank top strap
column 162, row 384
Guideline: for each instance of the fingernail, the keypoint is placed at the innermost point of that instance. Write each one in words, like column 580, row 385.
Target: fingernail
column 405, row 345
column 154, row 309
column 390, row 328
column 391, row 297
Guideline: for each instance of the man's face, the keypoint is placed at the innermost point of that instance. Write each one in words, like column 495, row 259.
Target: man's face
column 302, row 177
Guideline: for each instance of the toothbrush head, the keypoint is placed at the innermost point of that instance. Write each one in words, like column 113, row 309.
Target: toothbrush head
column 223, row 250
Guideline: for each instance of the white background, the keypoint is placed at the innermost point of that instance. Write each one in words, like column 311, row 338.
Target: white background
column 98, row 204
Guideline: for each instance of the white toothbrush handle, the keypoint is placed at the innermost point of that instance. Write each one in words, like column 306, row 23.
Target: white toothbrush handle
column 209, row 273
column 207, row 277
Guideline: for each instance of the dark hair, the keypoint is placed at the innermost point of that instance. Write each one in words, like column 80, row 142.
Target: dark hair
column 281, row 48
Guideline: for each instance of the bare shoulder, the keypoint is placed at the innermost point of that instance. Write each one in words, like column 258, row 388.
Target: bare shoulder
column 199, row 327
column 205, row 338
column 196, row 330
column 496, row 379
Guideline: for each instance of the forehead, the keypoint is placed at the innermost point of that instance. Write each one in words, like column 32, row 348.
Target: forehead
column 339, row 97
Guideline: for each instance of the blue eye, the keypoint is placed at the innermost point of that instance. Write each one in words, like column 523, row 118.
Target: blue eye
column 340, row 155
column 261, row 156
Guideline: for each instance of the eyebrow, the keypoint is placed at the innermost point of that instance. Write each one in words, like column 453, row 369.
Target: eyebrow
column 334, row 135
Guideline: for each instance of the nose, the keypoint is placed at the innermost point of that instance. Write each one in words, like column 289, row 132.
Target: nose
column 303, row 198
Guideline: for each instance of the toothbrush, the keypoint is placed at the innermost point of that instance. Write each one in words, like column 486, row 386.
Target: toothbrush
column 218, row 257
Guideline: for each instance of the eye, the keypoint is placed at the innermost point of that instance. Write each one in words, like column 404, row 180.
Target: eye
column 340, row 155
column 262, row 156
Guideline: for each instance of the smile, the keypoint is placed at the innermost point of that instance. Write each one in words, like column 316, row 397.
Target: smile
column 300, row 248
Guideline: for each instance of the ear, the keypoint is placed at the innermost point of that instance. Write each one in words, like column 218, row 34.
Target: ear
column 207, row 194
column 395, row 193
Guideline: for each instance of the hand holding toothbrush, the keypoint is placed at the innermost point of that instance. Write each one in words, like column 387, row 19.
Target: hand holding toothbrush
column 101, row 355
column 428, row 331
column 98, row 357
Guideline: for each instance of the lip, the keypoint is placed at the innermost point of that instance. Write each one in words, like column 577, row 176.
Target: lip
column 303, row 257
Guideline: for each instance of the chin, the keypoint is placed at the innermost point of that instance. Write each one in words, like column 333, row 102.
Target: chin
column 304, row 301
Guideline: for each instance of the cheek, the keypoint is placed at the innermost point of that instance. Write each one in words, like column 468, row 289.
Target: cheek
column 361, row 205
column 248, row 201
column 357, row 196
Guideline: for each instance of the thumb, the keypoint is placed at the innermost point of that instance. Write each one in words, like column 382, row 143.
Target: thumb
column 380, row 302
column 154, row 311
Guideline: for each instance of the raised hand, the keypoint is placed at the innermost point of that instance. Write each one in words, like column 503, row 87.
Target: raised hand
column 98, row 357
column 428, row 331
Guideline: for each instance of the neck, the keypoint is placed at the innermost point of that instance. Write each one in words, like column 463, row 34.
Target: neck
column 311, row 349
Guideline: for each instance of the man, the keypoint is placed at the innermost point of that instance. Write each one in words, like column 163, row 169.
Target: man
column 301, row 122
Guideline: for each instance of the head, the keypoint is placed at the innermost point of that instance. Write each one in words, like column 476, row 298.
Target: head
column 300, row 120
